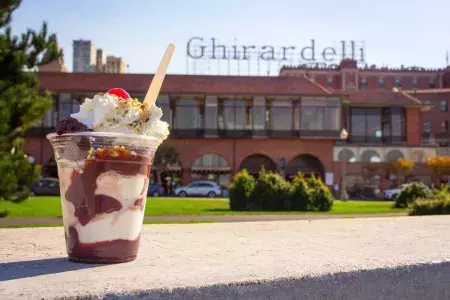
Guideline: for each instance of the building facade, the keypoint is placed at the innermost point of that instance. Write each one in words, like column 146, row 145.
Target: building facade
column 286, row 123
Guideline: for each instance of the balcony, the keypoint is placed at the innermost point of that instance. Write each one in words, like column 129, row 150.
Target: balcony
column 371, row 140
column 250, row 133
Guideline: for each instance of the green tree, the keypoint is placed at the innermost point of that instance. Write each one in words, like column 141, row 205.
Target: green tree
column 165, row 156
column 21, row 103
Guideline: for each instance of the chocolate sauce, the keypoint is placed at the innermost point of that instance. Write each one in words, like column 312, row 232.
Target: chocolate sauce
column 115, row 251
column 87, row 205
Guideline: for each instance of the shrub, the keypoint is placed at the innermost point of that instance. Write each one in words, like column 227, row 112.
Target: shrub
column 439, row 206
column 301, row 196
column 409, row 194
column 321, row 196
column 240, row 190
column 442, row 193
column 271, row 192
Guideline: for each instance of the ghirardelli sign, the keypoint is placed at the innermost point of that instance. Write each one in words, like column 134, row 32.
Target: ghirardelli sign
column 201, row 48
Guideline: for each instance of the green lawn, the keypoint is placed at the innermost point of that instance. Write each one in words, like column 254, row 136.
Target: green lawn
column 51, row 207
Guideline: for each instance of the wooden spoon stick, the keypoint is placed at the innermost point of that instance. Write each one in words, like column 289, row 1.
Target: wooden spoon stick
column 158, row 78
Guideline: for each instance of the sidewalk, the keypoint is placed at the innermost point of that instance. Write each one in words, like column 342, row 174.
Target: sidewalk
column 213, row 218
column 376, row 258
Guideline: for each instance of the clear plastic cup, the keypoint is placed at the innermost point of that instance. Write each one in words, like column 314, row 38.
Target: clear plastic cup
column 104, row 179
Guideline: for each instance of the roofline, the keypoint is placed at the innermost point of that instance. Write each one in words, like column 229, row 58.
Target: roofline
column 317, row 95
column 318, row 85
column 152, row 74
column 428, row 91
column 408, row 96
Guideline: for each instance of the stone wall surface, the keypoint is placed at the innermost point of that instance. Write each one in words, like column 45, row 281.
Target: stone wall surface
column 376, row 258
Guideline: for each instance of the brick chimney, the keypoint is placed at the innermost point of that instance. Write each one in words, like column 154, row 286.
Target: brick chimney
column 446, row 78
column 350, row 74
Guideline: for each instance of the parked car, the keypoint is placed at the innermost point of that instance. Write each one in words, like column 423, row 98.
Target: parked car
column 199, row 188
column 390, row 194
column 45, row 187
column 155, row 190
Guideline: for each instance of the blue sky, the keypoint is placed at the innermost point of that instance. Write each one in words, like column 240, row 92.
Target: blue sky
column 408, row 32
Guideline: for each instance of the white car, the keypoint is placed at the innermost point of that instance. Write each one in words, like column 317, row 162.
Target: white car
column 392, row 193
column 199, row 188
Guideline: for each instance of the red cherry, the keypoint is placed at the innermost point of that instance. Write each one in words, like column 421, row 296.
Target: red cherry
column 119, row 93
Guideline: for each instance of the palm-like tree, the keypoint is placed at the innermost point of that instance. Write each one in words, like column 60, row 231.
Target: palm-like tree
column 165, row 156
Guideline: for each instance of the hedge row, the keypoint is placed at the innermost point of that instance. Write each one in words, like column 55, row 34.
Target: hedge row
column 421, row 201
column 421, row 207
column 269, row 191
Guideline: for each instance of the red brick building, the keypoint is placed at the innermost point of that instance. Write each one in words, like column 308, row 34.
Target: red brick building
column 286, row 123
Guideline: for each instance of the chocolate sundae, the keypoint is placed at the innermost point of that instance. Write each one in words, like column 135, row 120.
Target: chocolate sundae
column 104, row 154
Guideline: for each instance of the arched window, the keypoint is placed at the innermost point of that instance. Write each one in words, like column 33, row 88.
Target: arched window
column 254, row 163
column 370, row 156
column 210, row 160
column 393, row 155
column 346, row 155
column 211, row 166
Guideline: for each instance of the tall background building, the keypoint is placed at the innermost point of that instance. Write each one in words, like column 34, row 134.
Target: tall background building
column 114, row 65
column 84, row 56
column 88, row 59
column 99, row 60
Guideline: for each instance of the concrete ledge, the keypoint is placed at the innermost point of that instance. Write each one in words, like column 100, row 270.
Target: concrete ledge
column 380, row 258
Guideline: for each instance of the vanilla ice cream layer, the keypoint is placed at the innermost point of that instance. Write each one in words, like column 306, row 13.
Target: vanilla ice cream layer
column 109, row 113
column 125, row 189
column 125, row 225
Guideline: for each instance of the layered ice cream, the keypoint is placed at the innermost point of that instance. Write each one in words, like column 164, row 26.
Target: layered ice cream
column 104, row 154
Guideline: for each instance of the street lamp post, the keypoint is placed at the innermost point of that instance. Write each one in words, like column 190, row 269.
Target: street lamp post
column 344, row 195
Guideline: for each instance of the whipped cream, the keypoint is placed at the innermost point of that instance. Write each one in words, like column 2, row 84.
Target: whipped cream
column 109, row 113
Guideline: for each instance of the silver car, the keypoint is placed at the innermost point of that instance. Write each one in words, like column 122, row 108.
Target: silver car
column 199, row 188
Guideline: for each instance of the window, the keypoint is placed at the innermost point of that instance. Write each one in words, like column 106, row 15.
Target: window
column 414, row 83
column 380, row 82
column 363, row 83
column 329, row 81
column 204, row 184
column 320, row 114
column 376, row 124
column 189, row 114
column 365, row 123
column 444, row 126
column 432, row 83
column 210, row 160
column 396, row 124
column 426, row 102
column 211, row 114
column 167, row 110
column 67, row 106
column 233, row 115
column 444, row 105
column 427, row 126
column 280, row 115
column 398, row 83
column 259, row 117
